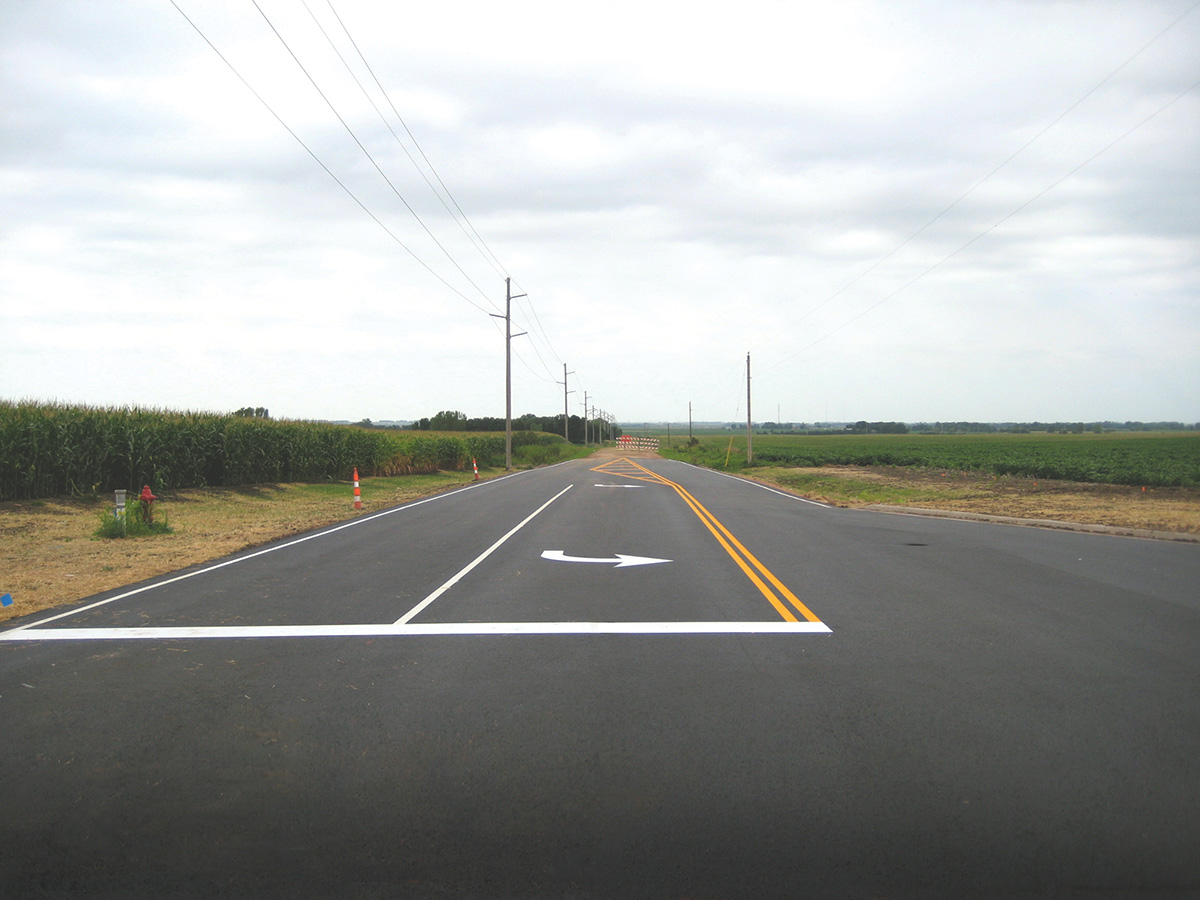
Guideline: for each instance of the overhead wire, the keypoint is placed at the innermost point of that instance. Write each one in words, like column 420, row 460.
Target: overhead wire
column 492, row 260
column 974, row 188
column 321, row 163
column 378, row 168
column 991, row 227
column 367, row 153
column 416, row 143
column 473, row 239
column 966, row 194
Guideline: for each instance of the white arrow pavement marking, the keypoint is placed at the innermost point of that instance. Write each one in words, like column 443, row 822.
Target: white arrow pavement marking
column 622, row 560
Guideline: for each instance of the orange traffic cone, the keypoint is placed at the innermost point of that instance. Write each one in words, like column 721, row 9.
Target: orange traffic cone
column 357, row 492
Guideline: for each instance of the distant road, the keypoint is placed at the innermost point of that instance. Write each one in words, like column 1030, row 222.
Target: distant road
column 617, row 678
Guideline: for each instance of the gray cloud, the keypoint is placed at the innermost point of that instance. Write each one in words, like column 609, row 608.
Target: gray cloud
column 671, row 195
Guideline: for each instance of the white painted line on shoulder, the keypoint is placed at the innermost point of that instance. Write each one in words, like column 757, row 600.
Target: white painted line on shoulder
column 756, row 484
column 361, row 520
column 448, row 629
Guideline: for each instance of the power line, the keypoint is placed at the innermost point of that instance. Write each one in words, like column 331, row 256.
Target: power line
column 350, row 193
column 367, row 153
column 472, row 239
column 481, row 245
column 992, row 227
column 978, row 185
column 319, row 162
column 497, row 264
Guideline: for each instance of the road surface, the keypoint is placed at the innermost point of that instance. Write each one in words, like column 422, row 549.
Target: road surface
column 617, row 678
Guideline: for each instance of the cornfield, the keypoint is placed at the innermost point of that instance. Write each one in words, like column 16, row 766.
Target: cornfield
column 50, row 449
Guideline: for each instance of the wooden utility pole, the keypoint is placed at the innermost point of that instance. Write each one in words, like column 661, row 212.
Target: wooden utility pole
column 749, row 419
column 585, row 419
column 508, row 336
column 566, row 415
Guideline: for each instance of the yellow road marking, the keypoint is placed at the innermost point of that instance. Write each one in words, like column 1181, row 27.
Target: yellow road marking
column 745, row 560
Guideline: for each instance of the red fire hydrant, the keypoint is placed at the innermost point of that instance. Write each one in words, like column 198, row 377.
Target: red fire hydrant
column 147, row 501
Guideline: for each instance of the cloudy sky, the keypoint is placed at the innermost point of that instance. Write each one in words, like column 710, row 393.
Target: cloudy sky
column 905, row 210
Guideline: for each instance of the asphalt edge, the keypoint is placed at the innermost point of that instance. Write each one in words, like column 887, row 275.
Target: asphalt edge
column 1056, row 524
column 1179, row 537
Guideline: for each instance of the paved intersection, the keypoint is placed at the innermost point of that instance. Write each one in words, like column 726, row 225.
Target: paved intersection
column 798, row 701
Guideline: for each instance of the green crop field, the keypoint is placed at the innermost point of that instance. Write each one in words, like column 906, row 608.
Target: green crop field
column 50, row 449
column 1153, row 460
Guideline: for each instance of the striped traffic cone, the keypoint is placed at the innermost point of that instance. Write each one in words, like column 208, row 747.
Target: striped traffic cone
column 475, row 466
column 357, row 492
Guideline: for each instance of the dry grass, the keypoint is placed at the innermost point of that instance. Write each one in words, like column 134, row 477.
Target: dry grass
column 48, row 556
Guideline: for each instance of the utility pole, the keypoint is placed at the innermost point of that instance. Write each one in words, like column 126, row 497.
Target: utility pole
column 689, row 423
column 749, row 419
column 508, row 336
column 566, row 416
column 585, row 419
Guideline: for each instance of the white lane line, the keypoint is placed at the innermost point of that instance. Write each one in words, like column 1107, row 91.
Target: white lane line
column 755, row 484
column 361, row 520
column 178, row 633
column 408, row 616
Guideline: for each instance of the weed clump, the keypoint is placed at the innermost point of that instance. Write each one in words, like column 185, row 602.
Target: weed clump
column 131, row 523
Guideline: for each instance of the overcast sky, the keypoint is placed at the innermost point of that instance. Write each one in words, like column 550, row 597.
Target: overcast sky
column 910, row 211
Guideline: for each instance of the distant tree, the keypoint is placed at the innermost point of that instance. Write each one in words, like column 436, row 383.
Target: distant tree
column 448, row 420
column 253, row 412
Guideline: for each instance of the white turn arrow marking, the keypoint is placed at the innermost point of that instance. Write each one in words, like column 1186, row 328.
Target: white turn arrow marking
column 622, row 560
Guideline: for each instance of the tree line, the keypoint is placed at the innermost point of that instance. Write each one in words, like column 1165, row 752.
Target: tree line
column 453, row 420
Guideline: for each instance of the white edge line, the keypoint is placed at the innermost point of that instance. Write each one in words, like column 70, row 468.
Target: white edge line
column 405, row 630
column 229, row 562
column 756, row 484
column 408, row 616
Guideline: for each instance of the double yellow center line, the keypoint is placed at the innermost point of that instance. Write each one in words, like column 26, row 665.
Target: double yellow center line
column 771, row 587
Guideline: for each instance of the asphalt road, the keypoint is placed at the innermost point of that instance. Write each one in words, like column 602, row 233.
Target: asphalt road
column 471, row 697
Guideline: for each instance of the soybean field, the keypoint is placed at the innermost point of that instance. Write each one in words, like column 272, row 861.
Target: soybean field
column 1152, row 460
